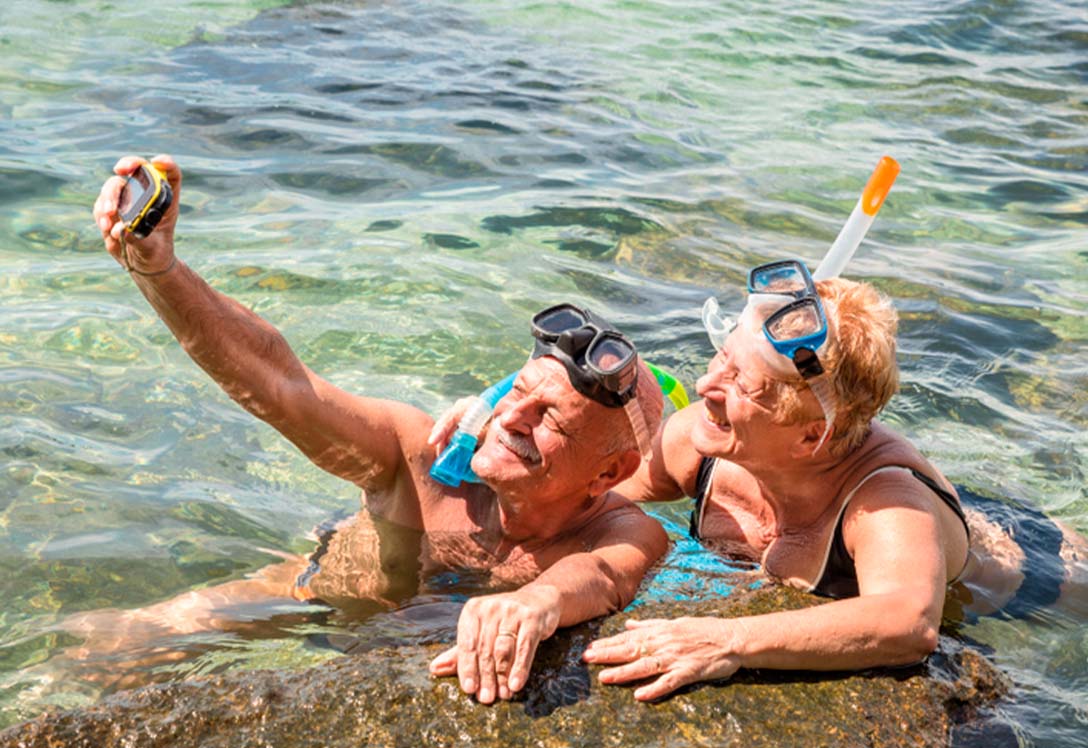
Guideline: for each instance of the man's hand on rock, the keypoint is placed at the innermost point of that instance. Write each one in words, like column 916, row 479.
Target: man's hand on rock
column 497, row 638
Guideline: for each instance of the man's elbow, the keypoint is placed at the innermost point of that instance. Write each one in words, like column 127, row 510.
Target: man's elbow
column 623, row 587
column 616, row 590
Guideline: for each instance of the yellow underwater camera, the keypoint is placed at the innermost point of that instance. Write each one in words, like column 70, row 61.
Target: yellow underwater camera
column 144, row 198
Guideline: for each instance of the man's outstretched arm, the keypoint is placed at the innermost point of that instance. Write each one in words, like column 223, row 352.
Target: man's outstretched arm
column 358, row 439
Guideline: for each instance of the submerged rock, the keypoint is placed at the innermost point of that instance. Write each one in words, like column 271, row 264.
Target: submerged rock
column 385, row 697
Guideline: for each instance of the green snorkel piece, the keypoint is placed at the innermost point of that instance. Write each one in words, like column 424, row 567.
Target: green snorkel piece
column 670, row 387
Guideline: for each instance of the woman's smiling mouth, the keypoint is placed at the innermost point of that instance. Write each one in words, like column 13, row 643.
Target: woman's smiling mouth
column 719, row 422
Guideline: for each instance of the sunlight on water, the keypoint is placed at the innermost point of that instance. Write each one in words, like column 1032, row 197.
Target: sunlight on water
column 393, row 184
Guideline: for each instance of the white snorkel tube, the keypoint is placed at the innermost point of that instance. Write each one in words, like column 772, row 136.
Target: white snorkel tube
column 862, row 217
column 761, row 305
column 718, row 326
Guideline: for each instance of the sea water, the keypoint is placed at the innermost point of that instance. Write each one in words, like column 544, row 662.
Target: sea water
column 398, row 186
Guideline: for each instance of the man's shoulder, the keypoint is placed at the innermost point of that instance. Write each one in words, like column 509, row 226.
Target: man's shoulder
column 619, row 516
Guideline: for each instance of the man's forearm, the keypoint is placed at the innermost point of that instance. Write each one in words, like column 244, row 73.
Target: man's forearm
column 245, row 355
column 581, row 587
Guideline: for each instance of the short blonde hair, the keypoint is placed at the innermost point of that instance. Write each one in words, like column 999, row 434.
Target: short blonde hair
column 859, row 358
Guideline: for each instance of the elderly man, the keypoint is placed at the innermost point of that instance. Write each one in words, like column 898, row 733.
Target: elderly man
column 543, row 523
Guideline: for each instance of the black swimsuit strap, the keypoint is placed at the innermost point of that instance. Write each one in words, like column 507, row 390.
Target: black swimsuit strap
column 702, row 486
column 840, row 579
column 949, row 499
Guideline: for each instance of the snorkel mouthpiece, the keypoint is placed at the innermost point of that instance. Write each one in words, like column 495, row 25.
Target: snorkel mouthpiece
column 453, row 465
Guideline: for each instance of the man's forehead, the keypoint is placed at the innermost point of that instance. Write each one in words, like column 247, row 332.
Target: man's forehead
column 546, row 372
column 549, row 375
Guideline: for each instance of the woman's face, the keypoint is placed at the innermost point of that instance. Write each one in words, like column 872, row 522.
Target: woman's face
column 739, row 403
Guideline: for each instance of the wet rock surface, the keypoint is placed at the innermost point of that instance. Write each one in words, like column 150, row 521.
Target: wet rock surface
column 386, row 698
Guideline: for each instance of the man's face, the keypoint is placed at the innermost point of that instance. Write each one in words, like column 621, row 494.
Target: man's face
column 545, row 438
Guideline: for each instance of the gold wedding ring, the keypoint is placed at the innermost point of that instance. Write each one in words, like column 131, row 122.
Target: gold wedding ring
column 643, row 651
column 506, row 632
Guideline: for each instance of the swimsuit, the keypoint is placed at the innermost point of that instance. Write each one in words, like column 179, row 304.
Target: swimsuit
column 839, row 576
column 1037, row 535
column 1040, row 539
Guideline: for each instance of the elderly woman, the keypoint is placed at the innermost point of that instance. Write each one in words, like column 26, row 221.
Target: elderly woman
column 788, row 467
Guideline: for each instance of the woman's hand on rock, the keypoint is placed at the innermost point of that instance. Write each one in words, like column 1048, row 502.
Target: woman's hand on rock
column 668, row 654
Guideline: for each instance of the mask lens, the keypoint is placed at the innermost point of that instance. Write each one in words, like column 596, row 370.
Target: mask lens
column 798, row 321
column 779, row 278
column 559, row 319
column 609, row 354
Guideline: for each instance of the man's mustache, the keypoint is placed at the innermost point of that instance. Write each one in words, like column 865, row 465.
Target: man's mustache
column 520, row 445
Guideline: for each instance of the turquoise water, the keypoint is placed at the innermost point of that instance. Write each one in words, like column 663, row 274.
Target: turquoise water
column 393, row 184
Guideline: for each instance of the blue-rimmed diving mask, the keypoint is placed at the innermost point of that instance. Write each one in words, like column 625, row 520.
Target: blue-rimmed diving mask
column 783, row 302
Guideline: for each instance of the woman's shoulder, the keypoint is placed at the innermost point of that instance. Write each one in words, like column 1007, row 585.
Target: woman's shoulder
column 884, row 450
column 680, row 459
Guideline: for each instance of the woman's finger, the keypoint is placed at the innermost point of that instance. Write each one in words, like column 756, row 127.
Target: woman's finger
column 640, row 669
column 663, row 686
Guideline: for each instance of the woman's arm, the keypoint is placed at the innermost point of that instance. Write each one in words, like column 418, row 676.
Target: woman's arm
column 898, row 551
column 670, row 475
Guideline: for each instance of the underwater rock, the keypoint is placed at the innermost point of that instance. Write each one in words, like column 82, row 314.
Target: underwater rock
column 385, row 697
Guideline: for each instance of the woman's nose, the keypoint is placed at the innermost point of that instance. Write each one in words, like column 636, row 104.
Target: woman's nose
column 704, row 384
column 716, row 370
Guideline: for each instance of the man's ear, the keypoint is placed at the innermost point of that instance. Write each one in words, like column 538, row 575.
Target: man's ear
column 805, row 445
column 616, row 469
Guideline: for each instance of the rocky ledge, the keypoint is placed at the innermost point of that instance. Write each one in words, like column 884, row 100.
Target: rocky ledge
column 386, row 698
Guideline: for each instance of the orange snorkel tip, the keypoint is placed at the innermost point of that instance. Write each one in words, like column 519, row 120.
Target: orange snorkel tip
column 879, row 185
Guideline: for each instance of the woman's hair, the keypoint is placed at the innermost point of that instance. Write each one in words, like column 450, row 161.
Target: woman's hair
column 859, row 358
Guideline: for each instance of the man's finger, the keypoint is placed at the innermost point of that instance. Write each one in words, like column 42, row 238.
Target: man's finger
column 126, row 165
column 467, row 643
column 440, row 432
column 108, row 196
column 166, row 164
column 523, row 659
column 445, row 663
column 506, row 642
column 485, row 694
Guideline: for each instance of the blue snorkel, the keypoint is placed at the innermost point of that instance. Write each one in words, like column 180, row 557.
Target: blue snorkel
column 452, row 466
